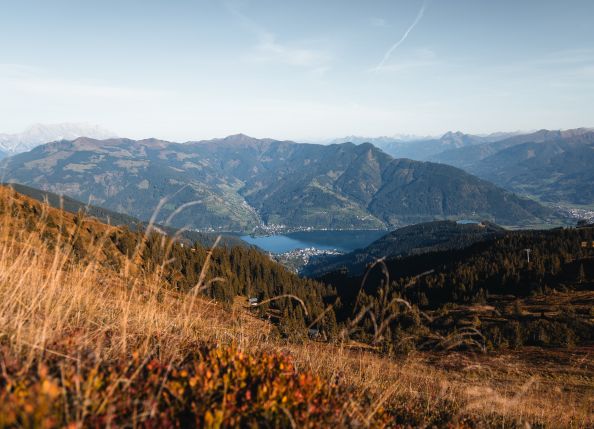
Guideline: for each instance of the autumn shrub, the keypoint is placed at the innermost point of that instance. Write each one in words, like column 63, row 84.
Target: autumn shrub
column 212, row 387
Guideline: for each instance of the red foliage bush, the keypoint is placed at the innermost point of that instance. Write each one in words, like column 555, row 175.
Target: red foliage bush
column 214, row 387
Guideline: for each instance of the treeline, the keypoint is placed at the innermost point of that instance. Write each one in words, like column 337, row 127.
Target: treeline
column 119, row 219
column 292, row 303
column 410, row 240
column 436, row 285
column 402, row 303
column 238, row 271
column 499, row 266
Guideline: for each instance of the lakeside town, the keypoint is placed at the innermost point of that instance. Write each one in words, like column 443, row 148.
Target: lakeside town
column 296, row 259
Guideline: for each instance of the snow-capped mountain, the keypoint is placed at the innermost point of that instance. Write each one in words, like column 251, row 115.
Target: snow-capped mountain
column 380, row 140
column 39, row 134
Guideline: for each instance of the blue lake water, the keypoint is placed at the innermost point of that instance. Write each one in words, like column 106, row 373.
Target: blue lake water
column 467, row 222
column 343, row 241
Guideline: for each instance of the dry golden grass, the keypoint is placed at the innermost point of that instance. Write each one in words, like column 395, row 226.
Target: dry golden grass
column 46, row 300
column 51, row 307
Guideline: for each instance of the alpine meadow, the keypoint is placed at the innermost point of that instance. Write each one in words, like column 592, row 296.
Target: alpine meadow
column 247, row 213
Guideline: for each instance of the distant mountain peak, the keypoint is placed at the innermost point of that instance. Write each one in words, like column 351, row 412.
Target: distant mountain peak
column 451, row 134
column 239, row 139
column 366, row 145
column 38, row 134
column 378, row 141
column 239, row 136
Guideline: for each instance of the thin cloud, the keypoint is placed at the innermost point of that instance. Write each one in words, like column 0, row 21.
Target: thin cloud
column 420, row 58
column 270, row 49
column 67, row 88
column 388, row 54
column 564, row 67
column 377, row 22
column 568, row 57
column 30, row 80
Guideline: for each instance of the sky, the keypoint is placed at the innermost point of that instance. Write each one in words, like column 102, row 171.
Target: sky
column 301, row 70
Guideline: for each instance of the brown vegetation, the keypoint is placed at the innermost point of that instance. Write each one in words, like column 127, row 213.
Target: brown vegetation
column 81, row 331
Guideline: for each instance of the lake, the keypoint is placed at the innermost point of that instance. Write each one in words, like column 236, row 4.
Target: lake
column 467, row 222
column 343, row 241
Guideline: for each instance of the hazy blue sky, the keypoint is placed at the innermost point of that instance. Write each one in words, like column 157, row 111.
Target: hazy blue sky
column 300, row 70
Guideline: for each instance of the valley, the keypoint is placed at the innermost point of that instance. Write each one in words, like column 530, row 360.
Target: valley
column 297, row 214
column 553, row 167
column 297, row 249
column 341, row 240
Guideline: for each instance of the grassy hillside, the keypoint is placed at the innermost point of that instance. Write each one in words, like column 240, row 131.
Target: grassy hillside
column 119, row 219
column 94, row 334
column 229, row 272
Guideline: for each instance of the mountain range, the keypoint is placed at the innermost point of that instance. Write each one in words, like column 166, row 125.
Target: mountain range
column 552, row 166
column 423, row 148
column 238, row 183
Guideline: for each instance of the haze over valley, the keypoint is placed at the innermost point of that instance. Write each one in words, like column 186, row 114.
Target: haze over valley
column 248, row 213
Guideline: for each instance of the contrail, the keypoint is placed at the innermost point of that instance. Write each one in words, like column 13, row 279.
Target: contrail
column 403, row 38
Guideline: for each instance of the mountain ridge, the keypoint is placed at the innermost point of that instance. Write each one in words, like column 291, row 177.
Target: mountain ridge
column 464, row 157
column 421, row 148
column 239, row 182
column 558, row 170
column 554, row 167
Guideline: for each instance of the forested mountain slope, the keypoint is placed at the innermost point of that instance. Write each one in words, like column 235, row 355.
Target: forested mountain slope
column 238, row 183
column 230, row 272
column 409, row 240
column 492, row 290
column 118, row 219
